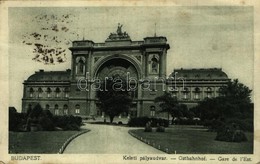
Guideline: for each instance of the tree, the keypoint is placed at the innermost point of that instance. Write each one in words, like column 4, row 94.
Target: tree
column 16, row 119
column 168, row 104
column 36, row 111
column 236, row 92
column 114, row 98
column 40, row 117
column 211, row 108
column 184, row 111
column 235, row 101
column 233, row 105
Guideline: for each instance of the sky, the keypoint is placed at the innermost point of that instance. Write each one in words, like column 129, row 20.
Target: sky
column 199, row 37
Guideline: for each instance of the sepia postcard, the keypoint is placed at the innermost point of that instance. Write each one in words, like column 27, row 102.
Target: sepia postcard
column 129, row 81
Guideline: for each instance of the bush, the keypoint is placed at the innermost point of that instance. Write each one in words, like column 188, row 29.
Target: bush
column 244, row 124
column 46, row 124
column 148, row 127
column 71, row 127
column 39, row 119
column 160, row 129
column 159, row 121
column 142, row 121
column 16, row 121
column 186, row 122
column 36, row 111
column 231, row 133
column 214, row 125
column 67, row 122
column 138, row 121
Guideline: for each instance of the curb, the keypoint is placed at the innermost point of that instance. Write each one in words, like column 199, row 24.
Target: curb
column 148, row 142
column 63, row 147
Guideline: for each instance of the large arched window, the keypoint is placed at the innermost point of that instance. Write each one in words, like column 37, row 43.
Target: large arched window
column 221, row 92
column 209, row 92
column 65, row 109
column 80, row 67
column 57, row 92
column 40, row 92
column 152, row 111
column 47, row 107
column 77, row 110
column 31, row 91
column 196, row 93
column 29, row 108
column 154, row 65
column 56, row 109
column 174, row 91
column 48, row 92
column 185, row 93
column 66, row 92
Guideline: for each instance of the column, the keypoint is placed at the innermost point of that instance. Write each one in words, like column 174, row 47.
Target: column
column 146, row 64
column 161, row 64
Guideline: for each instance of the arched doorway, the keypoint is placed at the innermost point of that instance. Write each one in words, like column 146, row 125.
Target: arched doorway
column 121, row 68
column 117, row 65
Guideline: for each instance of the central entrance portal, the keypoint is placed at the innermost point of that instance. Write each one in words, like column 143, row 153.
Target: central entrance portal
column 119, row 57
column 119, row 68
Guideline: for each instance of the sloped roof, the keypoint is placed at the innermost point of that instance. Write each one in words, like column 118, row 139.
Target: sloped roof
column 50, row 76
column 200, row 74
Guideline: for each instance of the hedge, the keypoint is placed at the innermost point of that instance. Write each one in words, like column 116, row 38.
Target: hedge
column 141, row 122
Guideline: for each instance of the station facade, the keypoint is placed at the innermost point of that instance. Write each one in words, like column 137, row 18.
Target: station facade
column 70, row 92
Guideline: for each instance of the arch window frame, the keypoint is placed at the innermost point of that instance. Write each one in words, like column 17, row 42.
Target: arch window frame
column 197, row 93
column 31, row 92
column 185, row 93
column 47, row 107
column 65, row 109
column 29, row 107
column 40, row 91
column 48, row 92
column 152, row 110
column 154, row 65
column 66, row 92
column 209, row 92
column 80, row 61
column 56, row 109
column 77, row 109
column 57, row 92
column 221, row 91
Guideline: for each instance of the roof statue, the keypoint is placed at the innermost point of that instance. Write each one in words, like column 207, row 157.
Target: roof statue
column 119, row 35
column 119, row 29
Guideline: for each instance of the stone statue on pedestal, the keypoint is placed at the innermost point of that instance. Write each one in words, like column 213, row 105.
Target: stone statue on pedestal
column 119, row 35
